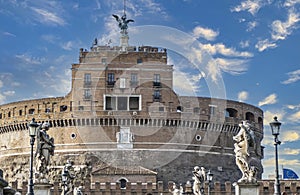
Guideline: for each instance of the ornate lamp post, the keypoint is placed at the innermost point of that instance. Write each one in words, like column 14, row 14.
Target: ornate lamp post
column 275, row 127
column 209, row 179
column 32, row 126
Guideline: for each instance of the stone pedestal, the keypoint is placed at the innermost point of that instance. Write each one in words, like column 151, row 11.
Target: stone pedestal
column 246, row 188
column 42, row 188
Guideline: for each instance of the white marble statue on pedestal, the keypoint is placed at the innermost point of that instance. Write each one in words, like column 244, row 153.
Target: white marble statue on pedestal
column 199, row 179
column 243, row 140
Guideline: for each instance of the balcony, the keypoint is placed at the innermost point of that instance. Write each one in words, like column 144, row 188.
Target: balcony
column 111, row 83
column 156, row 84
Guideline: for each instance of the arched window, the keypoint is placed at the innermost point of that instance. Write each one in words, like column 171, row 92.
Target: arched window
column 250, row 116
column 230, row 112
column 123, row 183
column 179, row 109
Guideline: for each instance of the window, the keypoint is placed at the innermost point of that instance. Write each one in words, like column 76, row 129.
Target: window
column 87, row 79
column 20, row 112
column 196, row 110
column 179, row 109
column 122, row 83
column 249, row 116
column 156, row 95
column 139, row 61
column 230, row 112
column 47, row 110
column 161, row 109
column 122, row 103
column 110, row 103
column 31, row 111
column 63, row 108
column 156, row 80
column 134, row 80
column 0, row 115
column 111, row 79
column 212, row 109
column 103, row 60
column 87, row 94
column 80, row 108
column 134, row 103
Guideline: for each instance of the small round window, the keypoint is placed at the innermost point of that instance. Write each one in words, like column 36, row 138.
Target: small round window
column 73, row 135
column 198, row 138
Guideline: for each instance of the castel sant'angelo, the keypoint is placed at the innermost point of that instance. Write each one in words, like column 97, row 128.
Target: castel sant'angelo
column 123, row 120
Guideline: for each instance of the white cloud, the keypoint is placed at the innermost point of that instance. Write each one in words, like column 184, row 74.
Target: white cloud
column 251, row 25
column 220, row 48
column 9, row 93
column 213, row 70
column 290, row 151
column 242, row 96
column 294, row 76
column 47, row 17
column 28, row 59
column 290, row 136
column 269, row 116
column 295, row 117
column 291, row 3
column 68, row 45
column 244, row 44
column 271, row 99
column 280, row 30
column 206, row 33
column 183, row 84
column 1, row 84
column 232, row 66
column 265, row 44
column 252, row 6
column 2, row 99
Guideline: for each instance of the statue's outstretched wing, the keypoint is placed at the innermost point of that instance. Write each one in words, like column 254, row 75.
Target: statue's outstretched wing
column 130, row 20
column 117, row 17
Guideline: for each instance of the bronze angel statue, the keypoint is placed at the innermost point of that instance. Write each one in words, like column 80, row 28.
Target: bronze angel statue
column 123, row 22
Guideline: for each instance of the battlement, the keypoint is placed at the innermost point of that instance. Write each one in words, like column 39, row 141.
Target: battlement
column 138, row 188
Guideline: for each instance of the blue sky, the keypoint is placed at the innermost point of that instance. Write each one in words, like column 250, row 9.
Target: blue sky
column 253, row 46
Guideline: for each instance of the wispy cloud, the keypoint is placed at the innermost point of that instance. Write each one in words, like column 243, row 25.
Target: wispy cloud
column 280, row 30
column 290, row 136
column 28, row 59
column 271, row 99
column 295, row 117
column 252, row 6
column 290, row 151
column 206, row 33
column 232, row 66
column 251, row 25
column 294, row 76
column 48, row 17
column 265, row 44
column 220, row 48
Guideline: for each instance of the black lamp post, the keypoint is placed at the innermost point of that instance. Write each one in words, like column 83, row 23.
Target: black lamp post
column 275, row 127
column 32, row 126
column 209, row 179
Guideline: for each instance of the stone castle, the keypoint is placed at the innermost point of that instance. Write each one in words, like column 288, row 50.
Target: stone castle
column 122, row 116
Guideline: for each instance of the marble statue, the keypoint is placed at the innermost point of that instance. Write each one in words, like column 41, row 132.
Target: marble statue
column 243, row 140
column 199, row 179
column 69, row 176
column 45, row 149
